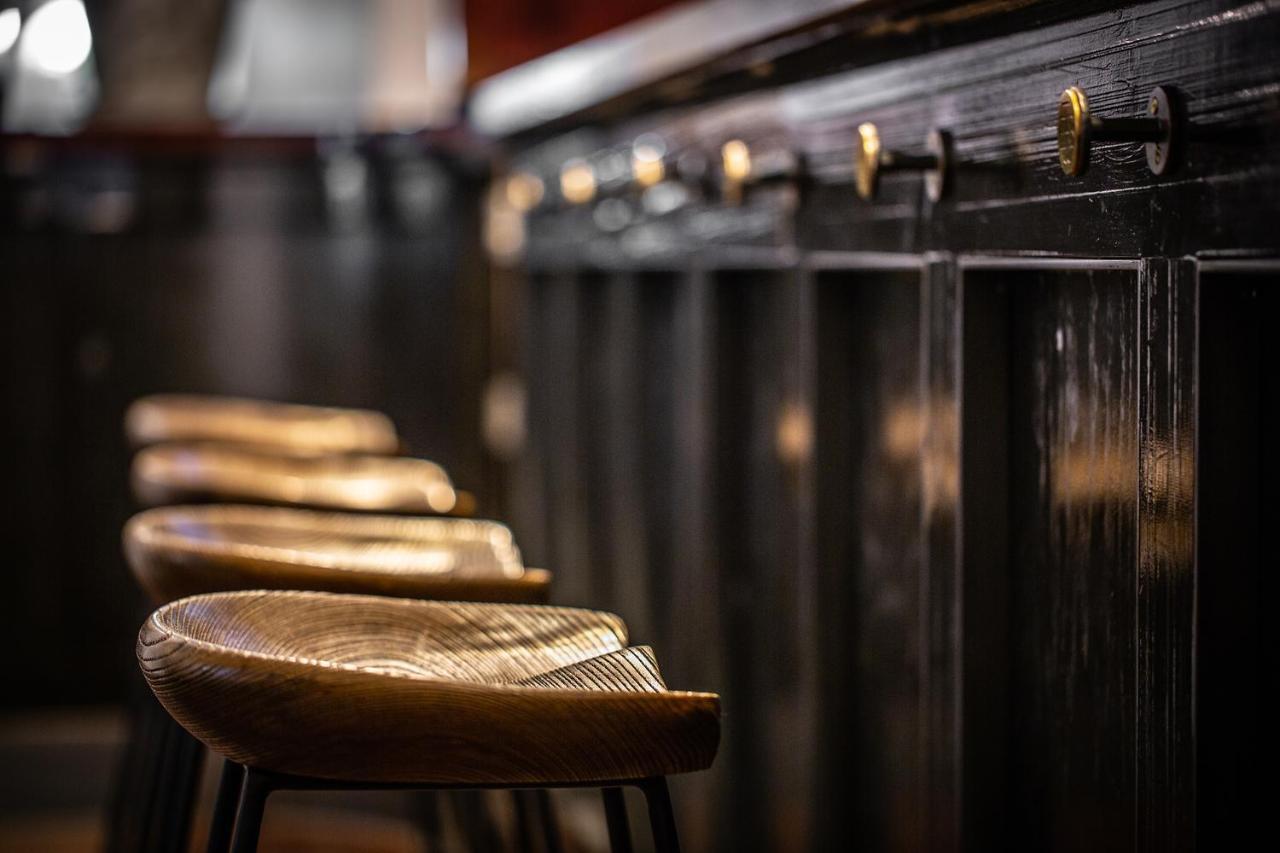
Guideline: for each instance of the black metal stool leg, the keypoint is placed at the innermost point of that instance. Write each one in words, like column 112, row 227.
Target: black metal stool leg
column 167, row 770
column 134, row 783
column 661, row 819
column 135, row 775
column 524, row 822
column 547, row 817
column 615, row 815
column 181, row 784
column 224, row 808
column 479, row 832
column 156, row 783
column 156, row 791
column 253, row 802
column 427, row 816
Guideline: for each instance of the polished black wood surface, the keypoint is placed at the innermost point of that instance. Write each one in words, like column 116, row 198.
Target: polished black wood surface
column 958, row 503
column 1072, row 539
column 1232, row 587
column 998, row 99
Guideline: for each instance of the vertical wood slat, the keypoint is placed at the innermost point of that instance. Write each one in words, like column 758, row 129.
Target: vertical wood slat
column 660, row 389
column 515, row 342
column 835, row 609
column 780, row 443
column 984, row 562
column 941, row 573
column 1234, row 467
column 804, row 736
column 867, row 479
column 598, row 436
column 1048, row 542
column 748, row 513
column 1073, row 527
column 1165, row 746
column 568, row 545
column 696, row 652
column 696, row 585
column 624, row 546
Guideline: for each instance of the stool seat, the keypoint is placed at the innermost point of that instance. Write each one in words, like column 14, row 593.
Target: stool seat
column 187, row 550
column 182, row 473
column 375, row 690
column 281, row 427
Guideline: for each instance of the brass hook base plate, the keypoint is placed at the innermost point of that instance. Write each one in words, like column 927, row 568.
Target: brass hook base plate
column 870, row 159
column 1164, row 106
column 937, row 178
column 1073, row 131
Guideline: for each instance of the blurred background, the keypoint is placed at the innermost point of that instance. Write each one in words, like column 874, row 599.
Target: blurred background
column 270, row 198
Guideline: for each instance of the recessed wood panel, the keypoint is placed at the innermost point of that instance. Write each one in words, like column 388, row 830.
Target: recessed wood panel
column 660, row 493
column 754, row 511
column 1232, row 590
column 870, row 424
column 1065, row 433
column 1073, row 521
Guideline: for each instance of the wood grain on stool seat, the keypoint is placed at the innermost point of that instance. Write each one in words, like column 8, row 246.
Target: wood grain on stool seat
column 384, row 690
column 187, row 550
column 633, row 669
column 281, row 427
column 177, row 473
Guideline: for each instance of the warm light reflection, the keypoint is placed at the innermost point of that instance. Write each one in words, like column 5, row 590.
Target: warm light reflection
column 1092, row 474
column 647, row 166
column 441, row 497
column 503, row 415
column 869, row 137
column 524, row 191
column 1168, row 495
column 1109, row 471
column 1077, row 474
column 928, row 433
column 577, row 182
column 58, row 40
column 903, row 429
column 10, row 26
column 379, row 544
column 795, row 433
column 503, row 227
column 164, row 471
column 736, row 159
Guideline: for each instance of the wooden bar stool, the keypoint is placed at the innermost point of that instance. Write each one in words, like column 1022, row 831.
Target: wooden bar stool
column 321, row 690
column 282, row 427
column 206, row 471
column 187, row 550
column 152, row 807
column 149, row 811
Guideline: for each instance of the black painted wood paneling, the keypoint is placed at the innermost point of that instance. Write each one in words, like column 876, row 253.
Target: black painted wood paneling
column 1165, row 725
column 1073, row 519
column 997, row 96
column 755, row 510
column 987, row 606
column 1234, row 463
column 869, row 428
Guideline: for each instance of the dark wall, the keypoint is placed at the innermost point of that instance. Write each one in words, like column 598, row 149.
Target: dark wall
column 239, row 273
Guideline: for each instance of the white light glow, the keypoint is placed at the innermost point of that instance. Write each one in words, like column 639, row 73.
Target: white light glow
column 58, row 40
column 10, row 26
